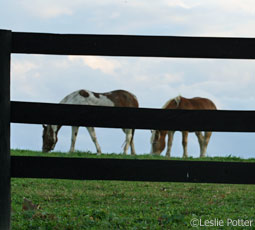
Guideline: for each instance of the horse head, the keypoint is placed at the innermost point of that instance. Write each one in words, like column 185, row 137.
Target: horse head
column 49, row 138
column 158, row 141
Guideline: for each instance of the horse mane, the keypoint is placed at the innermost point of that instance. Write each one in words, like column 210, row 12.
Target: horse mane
column 176, row 99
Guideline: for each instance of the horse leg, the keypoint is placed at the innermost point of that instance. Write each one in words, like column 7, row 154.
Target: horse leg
column 92, row 134
column 200, row 138
column 75, row 130
column 128, row 133
column 132, row 145
column 207, row 137
column 185, row 143
column 169, row 143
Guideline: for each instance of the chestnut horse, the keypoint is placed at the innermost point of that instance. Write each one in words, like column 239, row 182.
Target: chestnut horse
column 117, row 98
column 158, row 136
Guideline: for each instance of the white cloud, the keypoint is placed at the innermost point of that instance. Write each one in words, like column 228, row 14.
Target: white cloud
column 160, row 80
column 246, row 6
column 23, row 74
column 55, row 11
column 105, row 65
column 182, row 4
column 172, row 78
column 48, row 9
column 21, row 68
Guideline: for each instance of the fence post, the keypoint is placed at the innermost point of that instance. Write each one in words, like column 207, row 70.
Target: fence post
column 5, row 198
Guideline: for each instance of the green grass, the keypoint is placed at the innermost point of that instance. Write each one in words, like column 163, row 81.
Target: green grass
column 68, row 204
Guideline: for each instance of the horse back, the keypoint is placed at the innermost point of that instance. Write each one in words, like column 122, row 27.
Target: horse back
column 196, row 103
column 122, row 98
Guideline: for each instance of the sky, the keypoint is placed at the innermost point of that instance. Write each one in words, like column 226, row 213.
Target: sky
column 49, row 78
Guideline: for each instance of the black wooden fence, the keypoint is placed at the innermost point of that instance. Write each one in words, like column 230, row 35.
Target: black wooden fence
column 115, row 169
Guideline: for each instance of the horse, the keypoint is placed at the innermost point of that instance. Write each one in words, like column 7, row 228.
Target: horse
column 158, row 136
column 117, row 98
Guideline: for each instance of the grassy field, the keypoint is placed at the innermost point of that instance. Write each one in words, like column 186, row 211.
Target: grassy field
column 67, row 204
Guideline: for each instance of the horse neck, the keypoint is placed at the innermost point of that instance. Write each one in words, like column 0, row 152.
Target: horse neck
column 163, row 133
column 56, row 128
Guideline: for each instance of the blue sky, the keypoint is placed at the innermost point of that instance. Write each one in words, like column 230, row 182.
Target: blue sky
column 229, row 83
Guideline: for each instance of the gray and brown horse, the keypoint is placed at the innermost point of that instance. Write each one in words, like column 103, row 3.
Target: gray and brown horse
column 158, row 137
column 117, row 98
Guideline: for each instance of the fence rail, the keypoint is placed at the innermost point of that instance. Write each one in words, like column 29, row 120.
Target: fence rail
column 142, row 118
column 133, row 170
column 130, row 45
column 110, row 169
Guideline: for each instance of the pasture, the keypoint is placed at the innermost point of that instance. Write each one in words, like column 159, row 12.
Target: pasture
column 70, row 204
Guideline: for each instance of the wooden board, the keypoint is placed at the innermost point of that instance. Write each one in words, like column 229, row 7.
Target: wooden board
column 130, row 45
column 133, row 170
column 142, row 118
column 5, row 199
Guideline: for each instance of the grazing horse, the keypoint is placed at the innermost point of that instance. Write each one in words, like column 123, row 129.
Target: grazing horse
column 158, row 136
column 117, row 98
